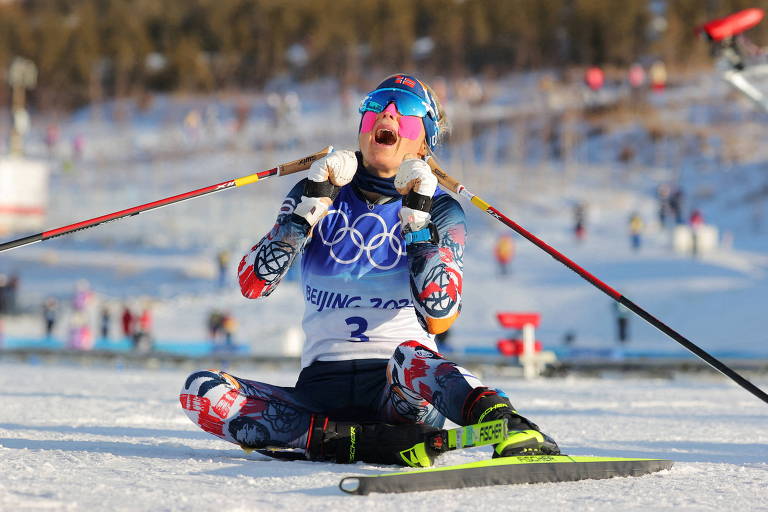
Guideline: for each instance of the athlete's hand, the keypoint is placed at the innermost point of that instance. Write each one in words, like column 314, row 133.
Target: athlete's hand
column 325, row 177
column 338, row 167
column 415, row 174
column 416, row 182
column 312, row 209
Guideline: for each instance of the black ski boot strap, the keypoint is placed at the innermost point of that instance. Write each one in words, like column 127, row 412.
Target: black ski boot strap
column 484, row 404
column 332, row 440
column 380, row 443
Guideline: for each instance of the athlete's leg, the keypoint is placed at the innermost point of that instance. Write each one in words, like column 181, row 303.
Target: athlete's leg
column 420, row 377
column 424, row 387
column 244, row 412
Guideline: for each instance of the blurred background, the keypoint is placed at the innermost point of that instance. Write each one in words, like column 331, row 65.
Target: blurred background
column 605, row 127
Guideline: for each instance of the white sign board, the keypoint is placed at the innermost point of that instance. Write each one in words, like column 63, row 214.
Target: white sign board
column 23, row 194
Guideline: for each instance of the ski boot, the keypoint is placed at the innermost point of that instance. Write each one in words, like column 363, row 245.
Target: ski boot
column 524, row 438
column 414, row 445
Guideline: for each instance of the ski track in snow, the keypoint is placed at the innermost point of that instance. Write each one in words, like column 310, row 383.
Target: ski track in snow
column 104, row 439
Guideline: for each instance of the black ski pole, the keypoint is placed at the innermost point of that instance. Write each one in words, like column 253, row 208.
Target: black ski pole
column 455, row 186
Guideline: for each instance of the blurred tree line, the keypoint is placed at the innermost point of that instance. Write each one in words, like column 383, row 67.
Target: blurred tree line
column 87, row 50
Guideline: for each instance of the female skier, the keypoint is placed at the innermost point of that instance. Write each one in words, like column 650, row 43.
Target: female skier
column 381, row 274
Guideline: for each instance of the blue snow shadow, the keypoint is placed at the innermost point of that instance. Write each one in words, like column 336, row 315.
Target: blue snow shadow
column 252, row 466
column 111, row 431
column 684, row 451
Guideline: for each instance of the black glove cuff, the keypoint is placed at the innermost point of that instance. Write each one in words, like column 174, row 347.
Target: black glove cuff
column 417, row 201
column 320, row 189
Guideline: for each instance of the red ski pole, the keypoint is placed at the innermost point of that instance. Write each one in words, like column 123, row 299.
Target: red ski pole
column 453, row 185
column 281, row 170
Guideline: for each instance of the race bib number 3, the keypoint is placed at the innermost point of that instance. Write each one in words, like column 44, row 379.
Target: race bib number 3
column 359, row 325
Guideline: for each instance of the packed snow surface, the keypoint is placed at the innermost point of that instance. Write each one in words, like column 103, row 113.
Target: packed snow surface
column 83, row 439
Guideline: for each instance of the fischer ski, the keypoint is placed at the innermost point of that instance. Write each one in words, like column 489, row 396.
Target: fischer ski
column 521, row 469
column 479, row 434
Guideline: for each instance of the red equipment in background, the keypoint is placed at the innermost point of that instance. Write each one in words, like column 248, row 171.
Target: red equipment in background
column 731, row 25
column 523, row 325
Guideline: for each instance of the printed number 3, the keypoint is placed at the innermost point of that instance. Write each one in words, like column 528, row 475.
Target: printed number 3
column 361, row 324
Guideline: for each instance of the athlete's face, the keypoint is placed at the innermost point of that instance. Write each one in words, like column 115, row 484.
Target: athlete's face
column 385, row 138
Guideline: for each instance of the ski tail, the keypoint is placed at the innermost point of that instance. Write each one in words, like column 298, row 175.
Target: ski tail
column 522, row 469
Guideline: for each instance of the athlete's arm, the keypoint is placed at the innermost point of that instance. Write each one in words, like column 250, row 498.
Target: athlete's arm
column 436, row 268
column 262, row 268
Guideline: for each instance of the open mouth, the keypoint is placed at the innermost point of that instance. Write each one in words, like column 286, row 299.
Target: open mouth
column 385, row 136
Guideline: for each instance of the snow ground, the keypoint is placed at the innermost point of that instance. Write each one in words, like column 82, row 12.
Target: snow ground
column 80, row 439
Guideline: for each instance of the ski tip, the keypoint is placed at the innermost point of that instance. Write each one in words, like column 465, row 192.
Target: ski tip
column 350, row 485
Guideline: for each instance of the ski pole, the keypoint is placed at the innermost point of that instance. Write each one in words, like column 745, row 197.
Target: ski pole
column 453, row 185
column 281, row 170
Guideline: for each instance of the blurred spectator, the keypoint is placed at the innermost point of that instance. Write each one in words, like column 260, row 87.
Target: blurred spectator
column 621, row 314
column 663, row 196
column 504, row 251
column 658, row 73
column 50, row 312
column 52, row 135
column 214, row 324
column 696, row 221
column 292, row 108
column 142, row 338
column 594, row 78
column 222, row 263
column 80, row 333
column 580, row 221
column 242, row 112
column 105, row 318
column 192, row 125
column 211, row 120
column 228, row 327
column 9, row 286
column 13, row 292
column 470, row 91
column 4, row 306
column 636, row 76
column 636, row 226
column 676, row 204
column 78, row 147
column 80, row 336
column 145, row 321
column 127, row 320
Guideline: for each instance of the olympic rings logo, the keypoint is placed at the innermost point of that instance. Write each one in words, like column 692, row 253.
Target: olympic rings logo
column 358, row 240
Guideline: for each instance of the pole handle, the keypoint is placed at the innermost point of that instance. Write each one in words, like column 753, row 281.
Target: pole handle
column 442, row 177
column 302, row 164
